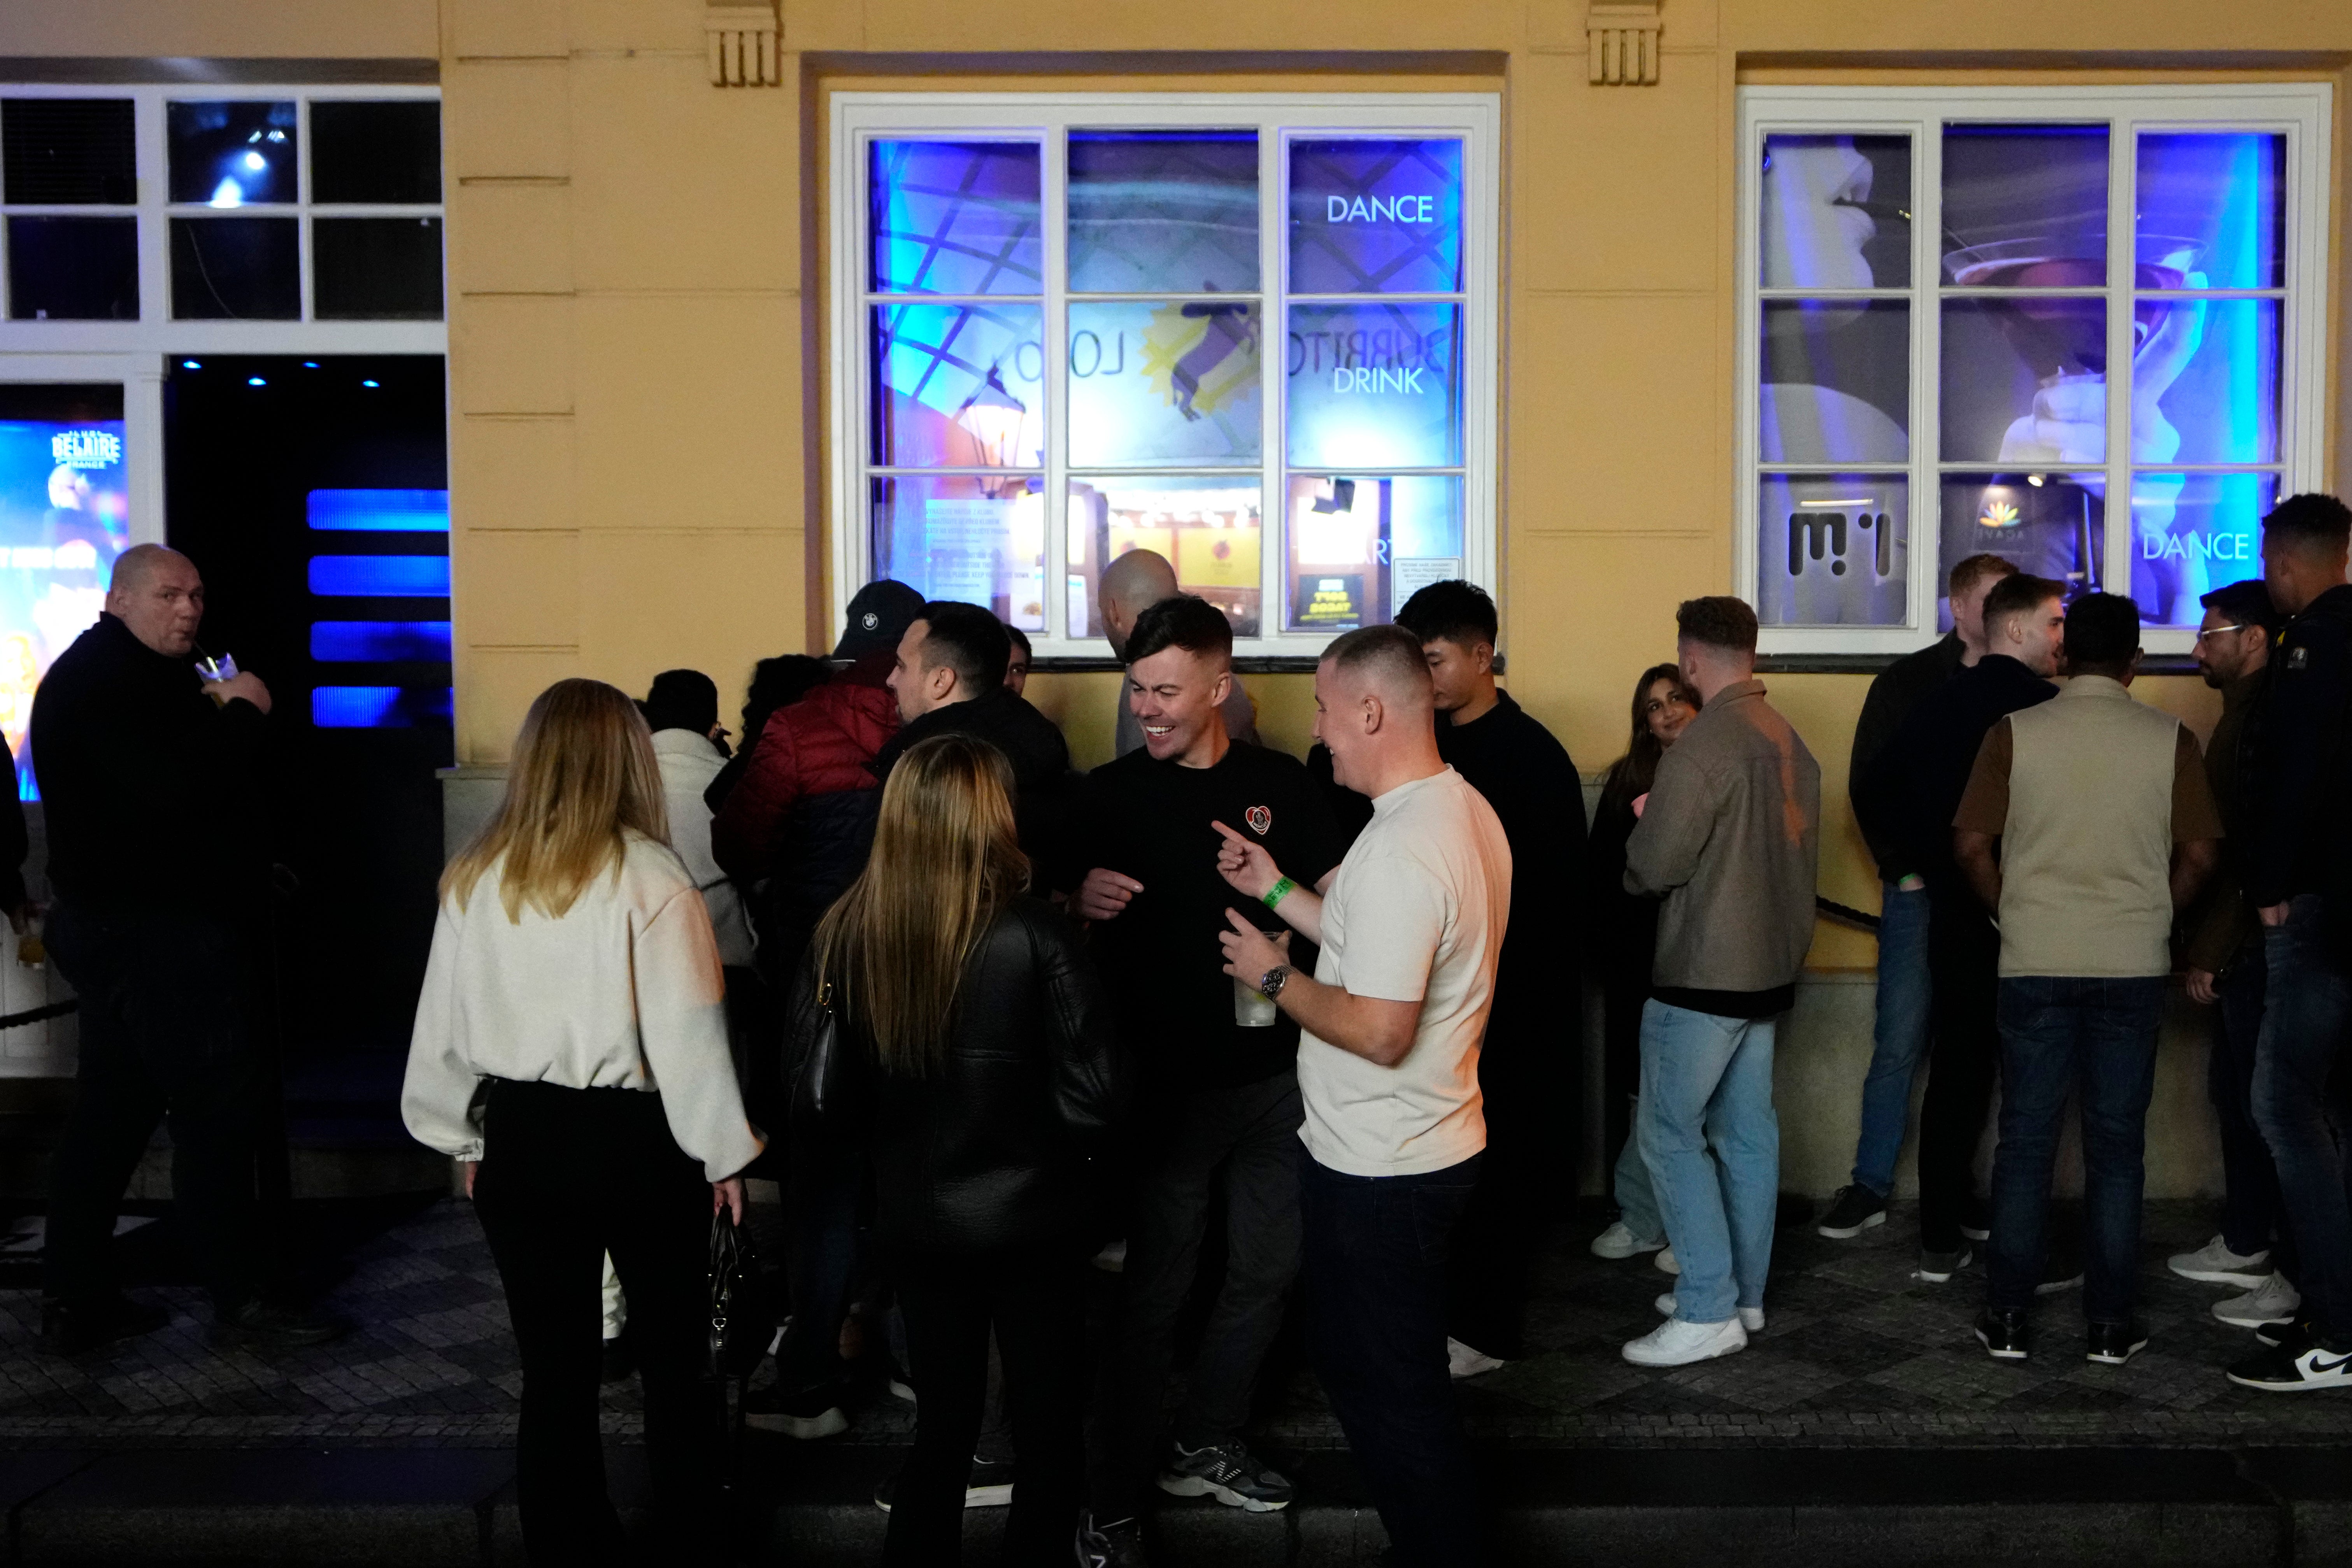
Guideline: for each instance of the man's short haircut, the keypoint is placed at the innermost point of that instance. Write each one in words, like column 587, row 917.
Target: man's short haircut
column 2020, row 594
column 2246, row 604
column 1717, row 621
column 1387, row 656
column 1019, row 638
column 681, row 700
column 1971, row 570
column 2310, row 522
column 968, row 640
column 132, row 566
column 2102, row 633
column 1186, row 621
column 1453, row 611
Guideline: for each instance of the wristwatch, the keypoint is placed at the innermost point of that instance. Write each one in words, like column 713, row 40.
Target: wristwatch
column 1275, row 980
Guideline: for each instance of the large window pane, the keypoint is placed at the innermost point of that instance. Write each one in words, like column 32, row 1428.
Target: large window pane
column 2207, row 380
column 2025, row 381
column 227, row 154
column 1163, row 212
column 1376, row 216
column 1207, row 526
column 236, row 268
column 67, row 152
column 2053, row 525
column 1355, row 541
column 1836, row 211
column 958, row 387
column 2213, row 210
column 979, row 540
column 954, row 217
column 2192, row 533
column 1168, row 384
column 1832, row 550
column 2025, row 206
column 375, row 152
column 376, row 268
column 1836, row 384
column 73, row 268
column 1376, row 386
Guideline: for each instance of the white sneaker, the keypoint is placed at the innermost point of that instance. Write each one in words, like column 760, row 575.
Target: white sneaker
column 2215, row 1264
column 1462, row 1361
column 1750, row 1318
column 1666, row 1262
column 1676, row 1344
column 1112, row 1259
column 1618, row 1241
column 2273, row 1301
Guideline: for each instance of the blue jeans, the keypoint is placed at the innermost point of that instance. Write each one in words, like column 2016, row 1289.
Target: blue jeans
column 2098, row 1035
column 1637, row 1200
column 1712, row 1141
column 2250, row 1220
column 1376, row 1252
column 1899, row 1037
column 2304, row 1018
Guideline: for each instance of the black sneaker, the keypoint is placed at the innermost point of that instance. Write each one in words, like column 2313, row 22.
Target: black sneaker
column 258, row 1326
column 2308, row 1362
column 989, row 1486
column 808, row 1416
column 1118, row 1544
column 2112, row 1344
column 75, row 1328
column 1855, row 1210
column 2297, row 1333
column 2005, row 1334
column 1228, row 1472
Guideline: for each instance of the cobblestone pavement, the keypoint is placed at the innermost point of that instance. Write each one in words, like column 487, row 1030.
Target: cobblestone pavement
column 1857, row 1352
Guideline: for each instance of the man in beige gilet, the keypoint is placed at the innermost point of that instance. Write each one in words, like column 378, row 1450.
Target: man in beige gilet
column 2105, row 825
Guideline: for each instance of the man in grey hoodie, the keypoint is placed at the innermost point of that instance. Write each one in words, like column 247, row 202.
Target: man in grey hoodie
column 1730, row 838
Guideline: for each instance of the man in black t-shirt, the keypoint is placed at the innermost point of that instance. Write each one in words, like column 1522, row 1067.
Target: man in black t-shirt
column 1222, row 1098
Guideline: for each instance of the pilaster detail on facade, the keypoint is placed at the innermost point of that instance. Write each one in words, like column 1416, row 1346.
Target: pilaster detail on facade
column 1622, row 42
column 745, row 45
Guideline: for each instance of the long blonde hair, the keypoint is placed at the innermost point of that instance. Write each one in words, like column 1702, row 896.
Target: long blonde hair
column 946, row 861
column 583, row 775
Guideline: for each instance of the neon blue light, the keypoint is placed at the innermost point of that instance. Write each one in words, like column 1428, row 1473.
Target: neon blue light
column 254, row 381
column 189, row 364
column 382, row 576
column 371, row 384
column 378, row 707
column 379, row 511
column 373, row 642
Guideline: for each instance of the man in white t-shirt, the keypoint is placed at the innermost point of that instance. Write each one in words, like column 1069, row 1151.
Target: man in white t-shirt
column 1387, row 1069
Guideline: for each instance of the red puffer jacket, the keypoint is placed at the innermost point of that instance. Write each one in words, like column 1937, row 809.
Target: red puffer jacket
column 818, row 747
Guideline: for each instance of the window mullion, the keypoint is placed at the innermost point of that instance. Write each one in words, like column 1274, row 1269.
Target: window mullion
column 1926, row 562
column 1273, row 315
column 2123, row 275
column 1054, row 190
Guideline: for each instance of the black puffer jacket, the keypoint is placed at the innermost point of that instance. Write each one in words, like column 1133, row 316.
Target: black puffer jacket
column 997, row 1148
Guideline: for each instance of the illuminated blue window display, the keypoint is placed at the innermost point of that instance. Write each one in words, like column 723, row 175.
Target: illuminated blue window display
column 977, row 538
column 381, row 577
column 1163, row 212
column 379, row 707
column 954, row 217
column 1371, row 216
column 232, row 154
column 379, row 642
column 378, row 511
column 1175, row 382
column 958, row 387
column 1375, row 385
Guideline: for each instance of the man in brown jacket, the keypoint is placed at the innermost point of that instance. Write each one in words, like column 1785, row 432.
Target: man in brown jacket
column 1730, row 838
column 2225, row 964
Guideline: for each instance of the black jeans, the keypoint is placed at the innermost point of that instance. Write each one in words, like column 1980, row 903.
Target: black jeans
column 1245, row 1139
column 1529, row 1073
column 567, row 1175
column 2252, row 1220
column 824, row 1186
column 1030, row 1296
column 1964, row 972
column 2301, row 1106
column 1378, row 1250
column 167, row 1032
column 2098, row 1036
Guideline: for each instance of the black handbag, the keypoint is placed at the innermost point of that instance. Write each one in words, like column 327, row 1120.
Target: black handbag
column 730, row 1299
column 817, row 1084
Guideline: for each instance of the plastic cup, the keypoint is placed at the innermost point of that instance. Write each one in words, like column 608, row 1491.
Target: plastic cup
column 1252, row 1008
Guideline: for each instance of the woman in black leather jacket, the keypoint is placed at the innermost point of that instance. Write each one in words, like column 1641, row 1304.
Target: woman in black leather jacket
column 972, row 1055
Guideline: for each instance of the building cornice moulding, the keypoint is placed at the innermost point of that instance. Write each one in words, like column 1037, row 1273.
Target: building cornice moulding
column 1622, row 42
column 746, row 42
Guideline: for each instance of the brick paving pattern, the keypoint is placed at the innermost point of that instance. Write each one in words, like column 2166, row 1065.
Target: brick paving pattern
column 1857, row 1352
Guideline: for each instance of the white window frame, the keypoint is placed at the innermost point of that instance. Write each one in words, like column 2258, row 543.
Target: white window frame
column 858, row 119
column 138, row 353
column 2298, row 111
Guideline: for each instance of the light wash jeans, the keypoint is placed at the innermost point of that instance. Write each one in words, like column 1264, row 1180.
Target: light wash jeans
column 1712, row 1141
column 1637, row 1201
column 1899, row 1037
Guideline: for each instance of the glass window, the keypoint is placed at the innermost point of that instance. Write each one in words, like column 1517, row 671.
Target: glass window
column 1165, row 383
column 376, row 268
column 364, row 151
column 73, row 268
column 1835, row 212
column 958, row 387
column 2025, row 206
column 1163, row 212
column 1837, row 383
column 1210, row 527
column 232, row 154
column 68, row 152
column 977, row 538
column 955, row 217
column 236, row 268
column 1372, row 217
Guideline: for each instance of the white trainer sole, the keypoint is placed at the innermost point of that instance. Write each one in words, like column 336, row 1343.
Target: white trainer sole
column 1848, row 1232
column 1201, row 1486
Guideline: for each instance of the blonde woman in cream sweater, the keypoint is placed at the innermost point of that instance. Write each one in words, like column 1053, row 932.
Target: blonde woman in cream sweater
column 570, row 1047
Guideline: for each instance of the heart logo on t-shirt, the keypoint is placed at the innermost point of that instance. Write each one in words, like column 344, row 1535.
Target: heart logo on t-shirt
column 1261, row 820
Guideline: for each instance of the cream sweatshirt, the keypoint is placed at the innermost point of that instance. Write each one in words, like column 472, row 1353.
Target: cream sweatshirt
column 688, row 762
column 624, row 992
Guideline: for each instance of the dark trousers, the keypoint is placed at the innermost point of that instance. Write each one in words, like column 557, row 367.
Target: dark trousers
column 1245, row 1140
column 1030, row 1297
column 567, row 1175
column 2099, row 1037
column 1964, row 973
column 824, row 1185
column 1528, row 1070
column 1621, row 1000
column 2250, row 1218
column 167, row 1034
column 1376, row 1255
column 2306, row 1010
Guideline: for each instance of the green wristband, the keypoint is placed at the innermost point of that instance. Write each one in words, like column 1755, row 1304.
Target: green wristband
column 1279, row 891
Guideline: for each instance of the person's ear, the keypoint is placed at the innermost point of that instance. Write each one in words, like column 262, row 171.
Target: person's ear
column 1374, row 712
column 1221, row 688
column 1482, row 656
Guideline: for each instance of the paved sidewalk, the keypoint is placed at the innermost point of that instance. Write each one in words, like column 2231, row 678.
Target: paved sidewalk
column 1857, row 1353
